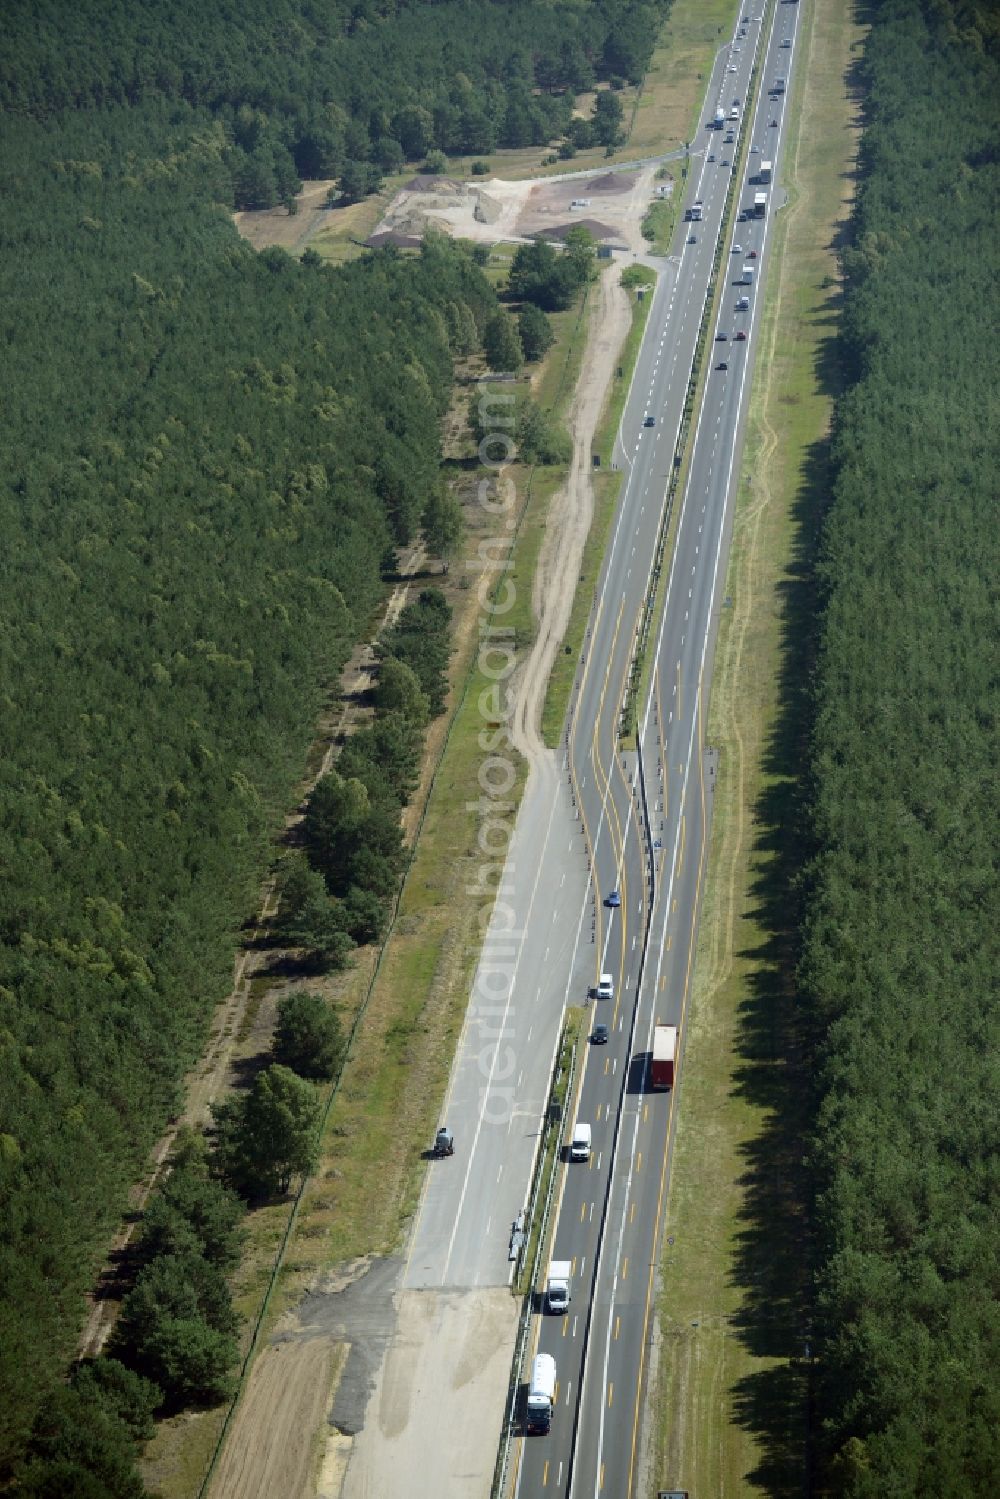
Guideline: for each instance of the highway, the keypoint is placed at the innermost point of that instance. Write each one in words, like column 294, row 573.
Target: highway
column 594, row 819
column 648, row 832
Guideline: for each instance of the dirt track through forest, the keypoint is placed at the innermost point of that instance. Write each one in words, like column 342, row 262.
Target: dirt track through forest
column 570, row 514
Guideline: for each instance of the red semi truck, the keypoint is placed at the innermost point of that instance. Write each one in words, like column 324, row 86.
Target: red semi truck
column 664, row 1056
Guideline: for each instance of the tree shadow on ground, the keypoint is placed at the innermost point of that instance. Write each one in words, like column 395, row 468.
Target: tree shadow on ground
column 774, row 1259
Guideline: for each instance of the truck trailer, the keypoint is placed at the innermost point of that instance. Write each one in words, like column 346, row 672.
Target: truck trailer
column 664, row 1056
column 759, row 205
column 720, row 119
column 541, row 1393
column 559, row 1287
column 764, row 174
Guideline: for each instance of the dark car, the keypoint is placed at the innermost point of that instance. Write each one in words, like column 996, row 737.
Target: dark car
column 650, row 421
column 722, row 365
column 751, row 255
column 773, row 124
column 692, row 239
column 614, row 900
column 741, row 337
column 444, row 1142
column 599, row 1035
column 724, row 163
column 741, row 217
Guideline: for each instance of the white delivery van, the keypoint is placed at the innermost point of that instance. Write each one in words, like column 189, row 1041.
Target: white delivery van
column 579, row 1148
column 606, row 987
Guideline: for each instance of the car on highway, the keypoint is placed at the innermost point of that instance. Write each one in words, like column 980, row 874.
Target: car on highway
column 730, row 69
column 741, row 337
column 741, row 217
column 444, row 1142
column 649, row 421
column 787, row 41
column 606, row 987
column 773, row 124
column 721, row 336
column 614, row 899
column 754, row 150
column 599, row 1035
column 724, row 163
column 737, row 249
column 711, row 155
column 751, row 255
column 722, row 365
column 692, row 239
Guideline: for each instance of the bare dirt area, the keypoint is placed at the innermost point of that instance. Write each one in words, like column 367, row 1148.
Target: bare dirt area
column 444, row 1342
column 285, row 1439
column 287, row 1396
column 264, row 227
column 610, row 203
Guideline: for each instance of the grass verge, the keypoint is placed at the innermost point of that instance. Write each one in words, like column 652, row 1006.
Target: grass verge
column 730, row 1378
column 668, row 111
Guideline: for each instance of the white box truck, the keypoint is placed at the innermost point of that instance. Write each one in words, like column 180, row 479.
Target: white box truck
column 664, row 1058
column 759, row 205
column 747, row 278
column 764, row 174
column 559, row 1287
column 541, row 1392
column 579, row 1147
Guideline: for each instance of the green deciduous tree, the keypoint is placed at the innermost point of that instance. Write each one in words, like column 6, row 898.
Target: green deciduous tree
column 442, row 524
column 356, row 181
column 535, row 330
column 539, row 438
column 177, row 1328
column 192, row 1212
column 309, row 1038
column 398, row 691
column 308, row 919
column 607, row 121
column 268, row 1135
column 502, row 344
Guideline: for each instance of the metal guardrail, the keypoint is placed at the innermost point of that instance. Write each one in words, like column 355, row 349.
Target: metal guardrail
column 553, row 1126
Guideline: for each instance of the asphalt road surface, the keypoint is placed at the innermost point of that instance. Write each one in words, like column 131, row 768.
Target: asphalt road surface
column 649, row 831
column 595, row 819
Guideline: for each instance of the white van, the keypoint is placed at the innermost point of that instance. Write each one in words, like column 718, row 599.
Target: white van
column 579, row 1149
column 606, row 987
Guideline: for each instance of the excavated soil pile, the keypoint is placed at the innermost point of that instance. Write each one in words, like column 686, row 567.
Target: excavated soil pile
column 610, row 182
column 598, row 230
